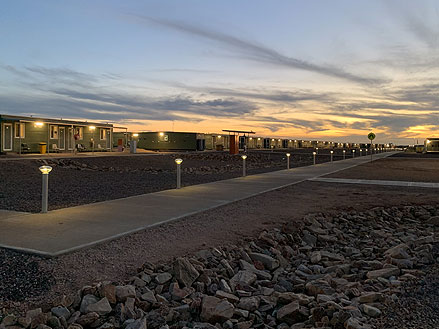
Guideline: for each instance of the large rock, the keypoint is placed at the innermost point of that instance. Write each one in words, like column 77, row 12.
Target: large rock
column 370, row 297
column 383, row 273
column 106, row 289
column 269, row 262
column 249, row 303
column 162, row 278
column 292, row 313
column 399, row 251
column 86, row 301
column 123, row 292
column 87, row 319
column 102, row 307
column 138, row 324
column 245, row 278
column 184, row 272
column 317, row 287
column 370, row 310
column 61, row 311
column 215, row 310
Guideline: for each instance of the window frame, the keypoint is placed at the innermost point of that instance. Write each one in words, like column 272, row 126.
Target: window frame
column 103, row 132
column 21, row 131
column 54, row 130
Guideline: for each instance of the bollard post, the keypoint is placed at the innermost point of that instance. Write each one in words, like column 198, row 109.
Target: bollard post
column 178, row 162
column 344, row 154
column 317, row 150
column 361, row 151
column 332, row 156
column 314, row 157
column 244, row 172
column 353, row 153
column 288, row 160
column 45, row 170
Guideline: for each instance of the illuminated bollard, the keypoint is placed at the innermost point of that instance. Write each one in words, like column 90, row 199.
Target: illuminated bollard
column 178, row 162
column 353, row 153
column 361, row 151
column 332, row 156
column 317, row 150
column 288, row 160
column 344, row 154
column 314, row 157
column 45, row 170
column 244, row 172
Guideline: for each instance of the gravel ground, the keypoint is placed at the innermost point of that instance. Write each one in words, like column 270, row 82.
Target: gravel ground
column 395, row 168
column 76, row 181
column 233, row 223
column 414, row 155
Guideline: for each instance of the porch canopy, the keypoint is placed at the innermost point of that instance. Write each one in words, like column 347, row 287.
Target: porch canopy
column 234, row 142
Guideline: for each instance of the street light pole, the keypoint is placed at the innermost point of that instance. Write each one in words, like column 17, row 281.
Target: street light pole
column 244, row 171
column 45, row 170
column 178, row 162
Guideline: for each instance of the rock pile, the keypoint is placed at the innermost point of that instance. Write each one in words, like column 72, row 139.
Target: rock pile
column 329, row 272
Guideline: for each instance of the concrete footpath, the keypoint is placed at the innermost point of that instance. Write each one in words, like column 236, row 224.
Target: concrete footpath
column 65, row 230
column 375, row 182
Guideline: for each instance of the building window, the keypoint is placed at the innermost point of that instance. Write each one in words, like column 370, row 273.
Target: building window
column 79, row 133
column 103, row 134
column 20, row 130
column 53, row 132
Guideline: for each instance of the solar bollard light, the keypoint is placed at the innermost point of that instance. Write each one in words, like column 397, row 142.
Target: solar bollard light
column 288, row 160
column 45, row 170
column 244, row 173
column 353, row 153
column 344, row 154
column 332, row 156
column 178, row 162
column 314, row 157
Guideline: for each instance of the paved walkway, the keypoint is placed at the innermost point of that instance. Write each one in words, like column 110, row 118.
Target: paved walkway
column 65, row 230
column 375, row 182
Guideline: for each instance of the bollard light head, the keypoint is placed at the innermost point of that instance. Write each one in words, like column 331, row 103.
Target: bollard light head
column 332, row 152
column 313, row 153
column 288, row 154
column 45, row 170
column 344, row 151
column 243, row 157
column 178, row 161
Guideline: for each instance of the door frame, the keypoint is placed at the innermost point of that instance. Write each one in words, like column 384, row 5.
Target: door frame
column 59, row 138
column 70, row 139
column 4, row 136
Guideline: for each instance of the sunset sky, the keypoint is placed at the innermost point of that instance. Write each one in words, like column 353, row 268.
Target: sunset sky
column 331, row 70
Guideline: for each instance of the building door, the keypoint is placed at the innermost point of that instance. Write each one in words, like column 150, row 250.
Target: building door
column 7, row 137
column 108, row 138
column 62, row 138
column 70, row 140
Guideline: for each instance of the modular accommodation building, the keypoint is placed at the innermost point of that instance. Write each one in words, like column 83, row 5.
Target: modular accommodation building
column 20, row 134
column 169, row 141
column 216, row 141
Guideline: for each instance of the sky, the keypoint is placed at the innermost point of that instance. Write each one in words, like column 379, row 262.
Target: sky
column 327, row 70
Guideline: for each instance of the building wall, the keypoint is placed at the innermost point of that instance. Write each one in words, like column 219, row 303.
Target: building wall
column 167, row 141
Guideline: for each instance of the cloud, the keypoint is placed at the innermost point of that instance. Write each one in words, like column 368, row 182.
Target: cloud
column 257, row 52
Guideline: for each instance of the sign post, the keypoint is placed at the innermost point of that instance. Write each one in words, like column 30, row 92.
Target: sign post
column 371, row 137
